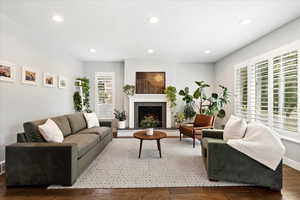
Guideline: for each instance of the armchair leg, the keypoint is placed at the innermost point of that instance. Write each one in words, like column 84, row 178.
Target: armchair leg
column 180, row 135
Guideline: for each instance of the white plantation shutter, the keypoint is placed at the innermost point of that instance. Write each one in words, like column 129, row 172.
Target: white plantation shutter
column 272, row 86
column 104, row 94
column 241, row 91
column 261, row 91
column 285, row 91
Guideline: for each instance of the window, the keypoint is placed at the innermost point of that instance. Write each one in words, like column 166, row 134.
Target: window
column 242, row 91
column 261, row 91
column 104, row 94
column 267, row 89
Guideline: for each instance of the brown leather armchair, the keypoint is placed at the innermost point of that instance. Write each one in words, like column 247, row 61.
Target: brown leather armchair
column 194, row 129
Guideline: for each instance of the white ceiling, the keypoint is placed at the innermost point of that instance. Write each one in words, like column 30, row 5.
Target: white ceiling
column 119, row 29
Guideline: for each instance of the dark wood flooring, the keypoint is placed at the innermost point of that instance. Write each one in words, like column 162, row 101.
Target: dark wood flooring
column 290, row 191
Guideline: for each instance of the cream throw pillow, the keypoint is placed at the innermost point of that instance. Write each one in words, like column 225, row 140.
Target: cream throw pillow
column 91, row 120
column 51, row 132
column 235, row 128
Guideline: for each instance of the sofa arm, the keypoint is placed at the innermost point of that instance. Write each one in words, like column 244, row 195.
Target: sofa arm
column 213, row 133
column 105, row 123
column 21, row 137
column 225, row 163
column 37, row 164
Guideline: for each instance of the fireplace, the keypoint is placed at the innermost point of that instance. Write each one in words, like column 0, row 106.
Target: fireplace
column 155, row 109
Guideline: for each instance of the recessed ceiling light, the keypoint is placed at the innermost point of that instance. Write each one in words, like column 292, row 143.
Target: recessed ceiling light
column 245, row 22
column 153, row 20
column 207, row 51
column 150, row 51
column 57, row 18
column 93, row 50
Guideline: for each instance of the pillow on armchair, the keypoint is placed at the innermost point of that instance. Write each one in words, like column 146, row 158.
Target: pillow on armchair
column 235, row 128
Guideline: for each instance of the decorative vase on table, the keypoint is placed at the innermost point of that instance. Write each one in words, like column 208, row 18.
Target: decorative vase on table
column 121, row 124
column 149, row 131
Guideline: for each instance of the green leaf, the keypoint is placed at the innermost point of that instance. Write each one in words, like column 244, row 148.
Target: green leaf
column 197, row 94
column 181, row 93
column 221, row 113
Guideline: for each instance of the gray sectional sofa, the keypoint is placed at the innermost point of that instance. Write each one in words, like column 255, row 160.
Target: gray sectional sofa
column 34, row 162
column 224, row 163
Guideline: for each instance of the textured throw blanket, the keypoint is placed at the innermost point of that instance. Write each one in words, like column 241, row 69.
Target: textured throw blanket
column 261, row 144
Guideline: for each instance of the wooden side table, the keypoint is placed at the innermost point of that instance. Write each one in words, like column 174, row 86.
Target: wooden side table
column 157, row 135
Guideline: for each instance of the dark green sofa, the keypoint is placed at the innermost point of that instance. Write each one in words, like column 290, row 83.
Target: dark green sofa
column 34, row 162
column 224, row 163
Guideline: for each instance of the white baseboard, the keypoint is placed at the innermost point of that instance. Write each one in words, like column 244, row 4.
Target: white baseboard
column 291, row 163
column 2, row 167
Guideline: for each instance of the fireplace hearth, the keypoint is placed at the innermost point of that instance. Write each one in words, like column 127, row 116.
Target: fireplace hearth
column 155, row 109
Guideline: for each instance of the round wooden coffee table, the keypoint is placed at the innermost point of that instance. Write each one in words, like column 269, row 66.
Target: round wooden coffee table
column 157, row 135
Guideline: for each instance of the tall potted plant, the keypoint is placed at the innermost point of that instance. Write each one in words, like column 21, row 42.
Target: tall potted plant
column 149, row 122
column 121, row 117
column 211, row 105
column 189, row 111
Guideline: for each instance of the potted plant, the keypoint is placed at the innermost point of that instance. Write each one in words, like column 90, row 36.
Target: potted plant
column 170, row 92
column 149, row 122
column 121, row 117
column 179, row 118
column 129, row 90
column 189, row 111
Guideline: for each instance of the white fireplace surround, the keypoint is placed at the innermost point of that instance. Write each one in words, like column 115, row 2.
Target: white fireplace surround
column 148, row 98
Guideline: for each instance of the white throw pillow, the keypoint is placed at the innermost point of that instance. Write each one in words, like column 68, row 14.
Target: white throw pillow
column 91, row 120
column 51, row 132
column 235, row 128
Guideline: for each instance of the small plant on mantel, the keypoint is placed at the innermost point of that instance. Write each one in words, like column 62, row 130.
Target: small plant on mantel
column 149, row 122
column 129, row 90
column 121, row 117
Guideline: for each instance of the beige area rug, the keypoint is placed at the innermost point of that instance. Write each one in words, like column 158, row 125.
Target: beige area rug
column 118, row 166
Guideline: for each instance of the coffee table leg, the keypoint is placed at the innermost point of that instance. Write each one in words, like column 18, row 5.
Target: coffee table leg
column 141, row 146
column 158, row 146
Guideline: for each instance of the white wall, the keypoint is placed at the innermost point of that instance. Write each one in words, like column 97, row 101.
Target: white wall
column 177, row 74
column 224, row 68
column 19, row 102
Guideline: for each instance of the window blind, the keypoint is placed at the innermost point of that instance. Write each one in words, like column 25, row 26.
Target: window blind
column 241, row 88
column 261, row 91
column 267, row 89
column 285, row 91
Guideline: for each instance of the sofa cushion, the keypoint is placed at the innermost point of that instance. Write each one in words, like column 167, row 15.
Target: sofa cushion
column 101, row 131
column 32, row 131
column 235, row 128
column 91, row 120
column 63, row 123
column 51, row 132
column 77, row 122
column 84, row 142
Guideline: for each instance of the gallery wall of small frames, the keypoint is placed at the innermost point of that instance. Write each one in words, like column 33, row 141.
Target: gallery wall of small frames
column 29, row 76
